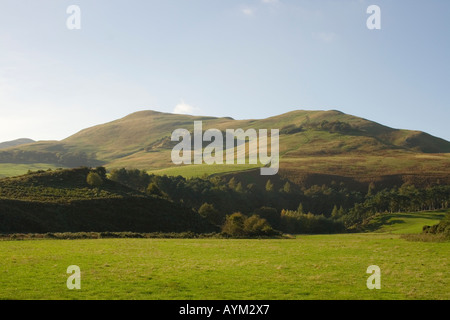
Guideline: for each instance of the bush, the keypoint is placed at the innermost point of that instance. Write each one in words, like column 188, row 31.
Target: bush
column 210, row 213
column 93, row 179
column 239, row 225
column 154, row 190
column 234, row 225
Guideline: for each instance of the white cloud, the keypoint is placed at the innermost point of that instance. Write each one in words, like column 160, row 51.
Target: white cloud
column 270, row 1
column 184, row 108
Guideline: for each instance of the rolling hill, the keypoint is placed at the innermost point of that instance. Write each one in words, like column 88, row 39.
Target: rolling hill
column 14, row 143
column 327, row 145
column 63, row 201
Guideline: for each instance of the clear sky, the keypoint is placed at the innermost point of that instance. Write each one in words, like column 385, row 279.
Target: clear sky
column 244, row 59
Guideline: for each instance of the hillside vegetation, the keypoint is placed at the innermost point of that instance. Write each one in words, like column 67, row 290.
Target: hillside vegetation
column 327, row 143
column 64, row 201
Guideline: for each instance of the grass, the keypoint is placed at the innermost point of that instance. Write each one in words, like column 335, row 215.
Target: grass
column 308, row 267
column 13, row 169
column 304, row 267
column 192, row 171
column 401, row 223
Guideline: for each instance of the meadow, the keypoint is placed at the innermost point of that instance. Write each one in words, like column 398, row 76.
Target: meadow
column 304, row 267
column 14, row 169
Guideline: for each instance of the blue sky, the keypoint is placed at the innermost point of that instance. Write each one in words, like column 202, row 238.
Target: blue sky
column 244, row 59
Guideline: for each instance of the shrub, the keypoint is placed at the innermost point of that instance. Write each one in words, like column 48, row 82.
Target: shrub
column 93, row 179
column 210, row 213
column 234, row 225
column 239, row 225
column 154, row 190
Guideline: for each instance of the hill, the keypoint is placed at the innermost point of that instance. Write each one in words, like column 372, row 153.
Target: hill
column 328, row 144
column 14, row 143
column 62, row 201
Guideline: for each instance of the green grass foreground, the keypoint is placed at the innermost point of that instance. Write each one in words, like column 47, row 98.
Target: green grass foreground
column 307, row 267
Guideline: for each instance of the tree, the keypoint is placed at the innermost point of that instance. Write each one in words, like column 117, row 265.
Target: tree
column 255, row 226
column 287, row 187
column 153, row 189
column 232, row 183
column 300, row 208
column 234, row 225
column 239, row 225
column 93, row 179
column 371, row 188
column 269, row 186
column 101, row 172
column 210, row 213
column 335, row 212
column 270, row 214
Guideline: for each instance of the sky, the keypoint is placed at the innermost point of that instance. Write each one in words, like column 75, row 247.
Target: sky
column 247, row 59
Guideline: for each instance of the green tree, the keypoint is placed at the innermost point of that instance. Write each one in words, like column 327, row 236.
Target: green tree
column 210, row 213
column 300, row 208
column 335, row 212
column 232, row 183
column 234, row 225
column 153, row 189
column 287, row 187
column 93, row 179
column 255, row 226
column 269, row 186
column 101, row 172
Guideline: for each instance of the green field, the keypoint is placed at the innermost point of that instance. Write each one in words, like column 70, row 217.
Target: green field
column 193, row 171
column 307, row 267
column 14, row 169
column 398, row 223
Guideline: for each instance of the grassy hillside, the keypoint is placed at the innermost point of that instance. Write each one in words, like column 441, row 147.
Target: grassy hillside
column 62, row 201
column 311, row 142
column 13, row 143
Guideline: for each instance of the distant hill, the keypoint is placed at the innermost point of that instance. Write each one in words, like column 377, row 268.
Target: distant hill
column 62, row 201
column 321, row 143
column 14, row 143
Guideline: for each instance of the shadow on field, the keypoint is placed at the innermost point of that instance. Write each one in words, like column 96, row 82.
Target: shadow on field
column 392, row 219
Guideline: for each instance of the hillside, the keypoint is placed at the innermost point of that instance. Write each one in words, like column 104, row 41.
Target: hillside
column 330, row 144
column 14, row 143
column 62, row 201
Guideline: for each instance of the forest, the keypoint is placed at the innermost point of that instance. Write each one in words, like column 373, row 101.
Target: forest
column 285, row 206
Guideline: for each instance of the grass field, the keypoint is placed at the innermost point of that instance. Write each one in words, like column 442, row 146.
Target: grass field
column 14, row 169
column 398, row 223
column 193, row 171
column 307, row 267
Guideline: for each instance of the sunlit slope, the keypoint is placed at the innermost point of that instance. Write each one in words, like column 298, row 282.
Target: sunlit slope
column 329, row 142
column 404, row 223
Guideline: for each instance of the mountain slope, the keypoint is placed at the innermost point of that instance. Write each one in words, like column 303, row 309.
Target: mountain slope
column 325, row 142
column 14, row 143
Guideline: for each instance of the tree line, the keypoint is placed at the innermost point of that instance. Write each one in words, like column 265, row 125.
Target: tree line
column 282, row 205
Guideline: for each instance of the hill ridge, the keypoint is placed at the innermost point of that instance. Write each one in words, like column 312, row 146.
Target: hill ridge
column 142, row 140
